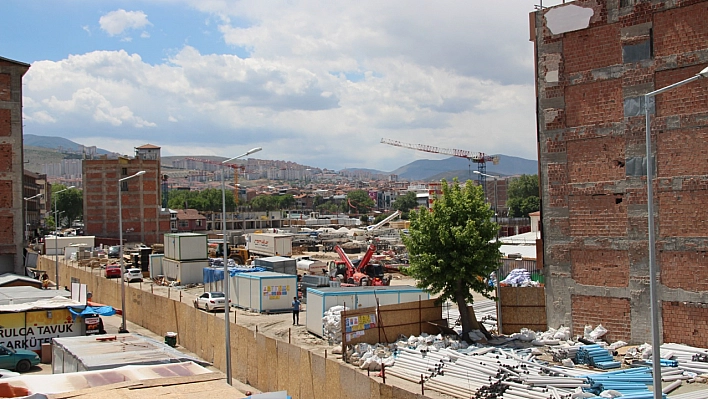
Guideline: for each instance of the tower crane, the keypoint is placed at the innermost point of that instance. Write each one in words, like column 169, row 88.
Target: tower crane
column 233, row 166
column 479, row 158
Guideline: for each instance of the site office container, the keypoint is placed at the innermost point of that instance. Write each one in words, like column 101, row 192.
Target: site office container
column 270, row 244
column 278, row 264
column 319, row 300
column 186, row 246
column 186, row 272
column 263, row 291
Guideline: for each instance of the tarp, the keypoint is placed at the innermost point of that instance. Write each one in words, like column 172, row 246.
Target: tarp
column 212, row 274
column 99, row 310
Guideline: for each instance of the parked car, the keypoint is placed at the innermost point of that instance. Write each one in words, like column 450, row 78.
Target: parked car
column 133, row 275
column 112, row 271
column 210, row 301
column 113, row 252
column 20, row 360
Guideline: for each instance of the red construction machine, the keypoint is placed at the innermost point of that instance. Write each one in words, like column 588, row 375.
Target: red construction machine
column 359, row 272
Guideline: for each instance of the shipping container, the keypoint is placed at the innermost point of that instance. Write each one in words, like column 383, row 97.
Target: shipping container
column 263, row 291
column 311, row 266
column 186, row 272
column 319, row 300
column 186, row 246
column 156, row 265
column 278, row 264
column 270, row 244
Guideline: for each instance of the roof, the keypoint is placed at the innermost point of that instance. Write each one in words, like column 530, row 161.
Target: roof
column 148, row 147
column 11, row 277
column 189, row 214
column 14, row 62
column 525, row 238
column 17, row 299
column 537, row 213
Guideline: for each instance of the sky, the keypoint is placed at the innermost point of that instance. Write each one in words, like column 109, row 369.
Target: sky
column 319, row 83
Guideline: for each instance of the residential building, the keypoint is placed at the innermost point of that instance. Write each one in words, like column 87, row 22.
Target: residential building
column 144, row 219
column 12, row 203
column 595, row 60
column 37, row 208
column 190, row 220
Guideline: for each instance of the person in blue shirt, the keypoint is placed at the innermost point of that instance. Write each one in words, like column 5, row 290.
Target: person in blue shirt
column 296, row 311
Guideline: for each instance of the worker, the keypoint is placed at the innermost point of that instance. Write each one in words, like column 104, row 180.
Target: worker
column 45, row 281
column 296, row 311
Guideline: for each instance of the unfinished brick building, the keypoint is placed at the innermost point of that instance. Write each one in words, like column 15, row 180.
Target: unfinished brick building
column 11, row 166
column 595, row 59
column 144, row 220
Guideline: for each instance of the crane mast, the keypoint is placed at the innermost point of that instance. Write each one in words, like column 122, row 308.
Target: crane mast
column 479, row 158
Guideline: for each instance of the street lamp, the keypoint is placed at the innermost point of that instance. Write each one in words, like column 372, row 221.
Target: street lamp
column 123, row 327
column 224, row 252
column 655, row 339
column 26, row 217
column 496, row 215
column 56, row 239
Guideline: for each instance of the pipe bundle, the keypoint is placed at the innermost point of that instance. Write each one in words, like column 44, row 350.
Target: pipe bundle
column 596, row 356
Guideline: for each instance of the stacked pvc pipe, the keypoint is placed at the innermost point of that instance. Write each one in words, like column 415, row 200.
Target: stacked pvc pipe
column 688, row 357
column 596, row 356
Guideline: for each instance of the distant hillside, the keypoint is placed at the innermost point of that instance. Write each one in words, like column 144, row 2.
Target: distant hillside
column 54, row 143
column 425, row 169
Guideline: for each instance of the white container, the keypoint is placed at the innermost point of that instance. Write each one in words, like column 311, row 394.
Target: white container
column 186, row 246
column 55, row 245
column 156, row 265
column 319, row 300
column 278, row 264
column 186, row 272
column 310, row 266
column 269, row 244
column 263, row 291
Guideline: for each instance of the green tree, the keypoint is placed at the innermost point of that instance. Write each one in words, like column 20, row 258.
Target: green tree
column 523, row 196
column 71, row 202
column 286, row 201
column 208, row 200
column 360, row 201
column 452, row 248
column 406, row 202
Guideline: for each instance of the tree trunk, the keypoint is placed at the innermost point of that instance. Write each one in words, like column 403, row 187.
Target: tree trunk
column 468, row 319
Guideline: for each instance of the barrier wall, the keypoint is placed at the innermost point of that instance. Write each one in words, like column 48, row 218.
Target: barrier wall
column 260, row 361
column 523, row 307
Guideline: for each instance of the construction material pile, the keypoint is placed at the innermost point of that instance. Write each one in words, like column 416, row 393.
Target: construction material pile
column 332, row 324
column 519, row 278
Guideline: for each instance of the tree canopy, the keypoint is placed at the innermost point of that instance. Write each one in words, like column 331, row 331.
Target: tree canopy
column 451, row 247
column 208, row 200
column 272, row 202
column 70, row 202
column 523, row 196
column 405, row 203
column 360, row 201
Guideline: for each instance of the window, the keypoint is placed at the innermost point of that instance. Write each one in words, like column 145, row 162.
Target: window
column 183, row 223
column 124, row 186
column 124, row 171
column 199, row 223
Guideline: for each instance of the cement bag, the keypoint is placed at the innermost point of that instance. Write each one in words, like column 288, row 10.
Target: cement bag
column 598, row 332
column 610, row 393
column 562, row 334
column 586, row 333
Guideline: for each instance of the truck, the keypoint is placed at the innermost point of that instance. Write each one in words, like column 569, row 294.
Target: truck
column 270, row 244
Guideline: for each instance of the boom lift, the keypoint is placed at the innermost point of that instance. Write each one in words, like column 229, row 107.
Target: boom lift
column 361, row 273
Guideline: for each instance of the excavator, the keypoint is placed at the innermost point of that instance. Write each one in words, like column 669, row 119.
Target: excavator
column 360, row 272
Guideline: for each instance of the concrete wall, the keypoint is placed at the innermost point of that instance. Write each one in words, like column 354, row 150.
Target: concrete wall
column 260, row 361
column 595, row 61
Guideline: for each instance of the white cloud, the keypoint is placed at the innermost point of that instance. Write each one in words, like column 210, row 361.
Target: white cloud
column 118, row 21
column 322, row 85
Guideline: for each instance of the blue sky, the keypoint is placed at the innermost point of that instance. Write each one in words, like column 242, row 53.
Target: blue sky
column 318, row 83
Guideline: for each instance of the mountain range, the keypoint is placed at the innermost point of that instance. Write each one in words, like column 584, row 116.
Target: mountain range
column 422, row 169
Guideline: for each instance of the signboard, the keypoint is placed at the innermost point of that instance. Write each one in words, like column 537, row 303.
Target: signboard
column 273, row 292
column 31, row 329
column 356, row 325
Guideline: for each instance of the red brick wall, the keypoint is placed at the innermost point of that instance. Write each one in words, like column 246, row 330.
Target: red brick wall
column 683, row 213
column 682, row 152
column 686, row 99
column 596, row 159
column 5, row 87
column 686, row 323
column 6, row 231
column 593, row 48
column 681, row 30
column 613, row 313
column 594, row 103
column 5, row 193
column 684, row 270
column 557, row 185
column 5, row 157
column 600, row 267
column 5, row 122
column 597, row 215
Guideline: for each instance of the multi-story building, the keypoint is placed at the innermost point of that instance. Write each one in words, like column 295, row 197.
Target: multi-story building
column 144, row 219
column 12, row 224
column 595, row 60
column 36, row 209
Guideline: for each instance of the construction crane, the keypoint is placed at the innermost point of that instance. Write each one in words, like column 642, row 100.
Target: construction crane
column 229, row 165
column 479, row 158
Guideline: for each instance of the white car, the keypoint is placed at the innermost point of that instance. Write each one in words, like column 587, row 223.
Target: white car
column 210, row 301
column 133, row 275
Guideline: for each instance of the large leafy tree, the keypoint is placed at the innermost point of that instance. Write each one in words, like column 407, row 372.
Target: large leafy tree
column 360, row 201
column 405, row 203
column 208, row 200
column 70, row 202
column 523, row 196
column 452, row 248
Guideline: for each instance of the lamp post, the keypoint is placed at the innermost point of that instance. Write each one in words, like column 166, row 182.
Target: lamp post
column 56, row 238
column 26, row 217
column 225, row 251
column 123, row 327
column 653, row 295
column 496, row 221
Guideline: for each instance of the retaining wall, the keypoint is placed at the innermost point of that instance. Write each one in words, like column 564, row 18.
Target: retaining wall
column 260, row 361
